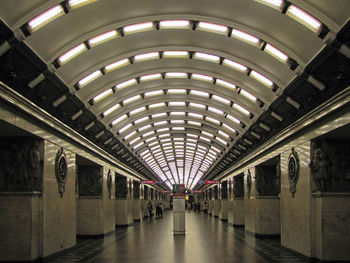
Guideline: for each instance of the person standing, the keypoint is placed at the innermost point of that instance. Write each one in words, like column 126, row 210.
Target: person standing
column 150, row 209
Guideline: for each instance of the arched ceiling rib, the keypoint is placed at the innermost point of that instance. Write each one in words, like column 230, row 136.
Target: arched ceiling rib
column 280, row 50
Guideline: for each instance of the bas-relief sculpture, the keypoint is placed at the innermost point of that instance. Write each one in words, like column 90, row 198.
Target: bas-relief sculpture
column 224, row 186
column 136, row 189
column 266, row 181
column 20, row 165
column 145, row 192
column 238, row 186
column 121, row 186
column 330, row 165
column 90, row 180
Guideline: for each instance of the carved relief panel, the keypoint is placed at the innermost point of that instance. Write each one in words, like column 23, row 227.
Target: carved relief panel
column 136, row 189
column 238, row 186
column 90, row 180
column 266, row 181
column 224, row 193
column 121, row 186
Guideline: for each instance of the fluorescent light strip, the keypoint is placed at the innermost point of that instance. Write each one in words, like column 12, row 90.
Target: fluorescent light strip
column 220, row 140
column 175, row 54
column 111, row 109
column 234, row 65
column 212, row 120
column 157, row 105
column 215, row 28
column 151, row 77
column 120, row 119
column 177, row 113
column 221, row 99
column 276, row 53
column 195, row 115
column 132, row 99
column 90, row 78
column 175, row 75
column 176, row 91
column 229, row 128
column 214, row 110
column 241, row 109
column 199, row 93
column 304, row 18
column 245, row 37
column 146, row 26
column 74, row 4
column 223, row 134
column 261, row 78
column 206, row 57
column 174, row 24
column 125, row 128
column 146, row 56
column 277, row 4
column 225, row 84
column 141, row 120
column 194, row 123
column 198, row 106
column 116, row 65
column 202, row 77
column 69, row 55
column 248, row 95
column 45, row 18
column 103, row 95
column 231, row 118
column 159, row 115
column 102, row 38
column 177, row 104
column 136, row 111
column 154, row 93
column 126, row 84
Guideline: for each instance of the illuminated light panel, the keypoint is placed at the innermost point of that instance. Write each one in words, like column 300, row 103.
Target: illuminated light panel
column 177, row 121
column 202, row 77
column 136, row 111
column 69, row 55
column 174, row 24
column 198, row 106
column 214, row 110
column 132, row 99
column 90, row 78
column 111, row 109
column 145, row 128
column 154, row 93
column 157, row 105
column 159, row 115
column 177, row 104
column 248, row 95
column 215, row 28
column 151, row 139
column 194, row 123
column 212, row 120
column 176, row 75
column 145, row 152
column 137, row 145
column 277, row 4
column 178, row 128
column 151, row 77
column 102, row 95
column 177, row 91
column 126, row 127
column 177, row 113
column 261, row 78
column 162, row 130
column 225, row 84
column 276, row 53
column 160, row 123
column 45, row 18
column 195, row 115
column 206, row 57
column 136, row 28
column 234, row 65
column 175, row 54
column 223, row 134
column 102, row 38
column 141, row 120
column 304, row 18
column 116, row 65
column 204, row 139
column 120, row 119
column 228, row 128
column 148, row 134
column 241, row 109
column 134, row 140
column 126, row 84
column 245, row 37
column 220, row 140
column 74, row 4
column 207, row 134
column 199, row 93
column 215, row 149
column 231, row 118
column 146, row 56
column 221, row 99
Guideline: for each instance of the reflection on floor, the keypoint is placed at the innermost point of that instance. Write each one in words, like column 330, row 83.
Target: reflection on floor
column 207, row 240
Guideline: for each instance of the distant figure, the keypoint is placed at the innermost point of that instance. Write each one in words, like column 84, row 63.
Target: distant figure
column 150, row 209
column 161, row 210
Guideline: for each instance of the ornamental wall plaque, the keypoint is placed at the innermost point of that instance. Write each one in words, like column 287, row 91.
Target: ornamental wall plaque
column 249, row 183
column 109, row 183
column 61, row 169
column 293, row 171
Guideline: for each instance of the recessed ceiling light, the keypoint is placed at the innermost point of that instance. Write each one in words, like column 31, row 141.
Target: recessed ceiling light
column 225, row 84
column 261, row 78
column 206, row 57
column 174, row 24
column 215, row 28
column 103, row 95
column 175, row 54
column 69, row 55
column 117, row 64
column 136, row 28
column 245, row 37
column 276, row 53
column 126, row 84
column 90, row 78
column 111, row 109
column 304, row 18
column 146, row 56
column 102, row 38
column 45, row 18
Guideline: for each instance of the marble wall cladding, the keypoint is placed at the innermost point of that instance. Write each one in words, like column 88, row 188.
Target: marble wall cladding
column 250, row 204
column 59, row 221
column 238, row 214
column 123, row 212
column 268, row 216
column 20, row 227
column 230, row 212
column 211, row 207
column 217, row 207
column 331, row 226
column 108, row 200
column 295, row 211
column 137, row 211
column 144, row 208
column 224, row 210
column 91, row 219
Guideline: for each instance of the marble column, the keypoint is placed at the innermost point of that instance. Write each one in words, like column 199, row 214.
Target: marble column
column 217, row 202
column 137, row 202
column 145, row 202
column 123, row 206
column 224, row 201
column 237, row 218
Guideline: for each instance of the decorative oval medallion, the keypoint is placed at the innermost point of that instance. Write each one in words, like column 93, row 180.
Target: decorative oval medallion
column 293, row 171
column 61, row 168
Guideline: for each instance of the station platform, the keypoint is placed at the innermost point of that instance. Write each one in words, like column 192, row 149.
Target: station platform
column 207, row 240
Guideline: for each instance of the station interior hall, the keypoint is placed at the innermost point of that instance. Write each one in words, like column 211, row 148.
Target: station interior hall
column 174, row 131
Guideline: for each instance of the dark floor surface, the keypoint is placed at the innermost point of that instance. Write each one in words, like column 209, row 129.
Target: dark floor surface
column 207, row 240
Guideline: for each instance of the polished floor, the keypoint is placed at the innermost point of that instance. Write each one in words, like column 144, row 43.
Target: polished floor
column 207, row 240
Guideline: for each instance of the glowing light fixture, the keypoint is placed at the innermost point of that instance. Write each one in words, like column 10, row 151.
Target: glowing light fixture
column 157, row 105
column 248, row 95
column 72, row 53
column 215, row 110
column 215, row 28
column 174, row 24
column 126, row 84
column 45, row 18
column 119, row 119
column 261, row 78
column 74, row 4
column 271, row 50
column 154, row 93
column 231, row 118
column 177, row 91
column 146, row 127
column 175, row 75
column 102, row 38
column 177, row 104
column 221, row 99
column 220, row 140
column 195, row 115
column 103, row 95
column 245, row 37
column 277, row 4
column 126, row 127
column 198, row 106
column 206, row 57
column 151, row 77
column 199, row 93
column 229, row 128
column 202, row 77
column 141, row 120
column 111, row 109
column 225, row 84
column 132, row 99
column 159, row 115
column 234, row 65
column 146, row 56
column 90, row 78
column 116, row 65
column 241, row 109
column 304, row 18
column 136, row 111
column 175, row 54
column 136, row 28
column 212, row 120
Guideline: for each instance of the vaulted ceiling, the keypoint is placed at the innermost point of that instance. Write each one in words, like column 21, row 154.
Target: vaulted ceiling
column 177, row 90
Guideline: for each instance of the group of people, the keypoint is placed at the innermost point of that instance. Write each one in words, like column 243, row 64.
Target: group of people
column 159, row 210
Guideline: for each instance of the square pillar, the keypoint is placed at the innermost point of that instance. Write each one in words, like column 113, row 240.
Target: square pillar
column 123, row 202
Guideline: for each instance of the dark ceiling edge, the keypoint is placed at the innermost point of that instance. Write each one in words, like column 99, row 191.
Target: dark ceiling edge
column 21, row 106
